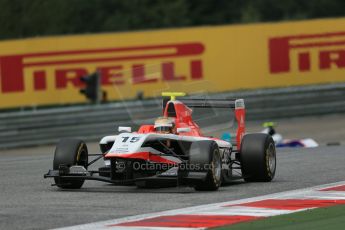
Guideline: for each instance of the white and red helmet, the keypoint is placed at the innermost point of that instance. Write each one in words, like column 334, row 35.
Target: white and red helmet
column 164, row 124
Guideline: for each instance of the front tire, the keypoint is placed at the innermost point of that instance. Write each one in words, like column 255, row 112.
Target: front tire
column 206, row 155
column 258, row 157
column 70, row 152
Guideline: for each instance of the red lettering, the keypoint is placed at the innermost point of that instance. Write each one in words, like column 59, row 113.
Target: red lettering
column 169, row 73
column 279, row 51
column 279, row 58
column 40, row 80
column 63, row 77
column 138, row 75
column 304, row 61
column 110, row 75
column 196, row 69
column 11, row 74
column 336, row 57
column 12, row 66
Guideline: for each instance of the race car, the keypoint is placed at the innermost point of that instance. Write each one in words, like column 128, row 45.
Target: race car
column 171, row 152
column 281, row 142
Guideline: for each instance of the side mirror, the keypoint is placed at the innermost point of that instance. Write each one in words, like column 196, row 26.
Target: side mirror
column 125, row 129
column 183, row 130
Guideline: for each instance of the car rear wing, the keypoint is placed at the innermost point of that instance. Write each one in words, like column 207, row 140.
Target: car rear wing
column 236, row 104
column 212, row 103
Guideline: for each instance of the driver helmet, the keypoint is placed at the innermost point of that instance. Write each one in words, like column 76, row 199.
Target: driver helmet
column 164, row 125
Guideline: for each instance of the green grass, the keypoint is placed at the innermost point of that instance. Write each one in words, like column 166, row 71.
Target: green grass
column 329, row 218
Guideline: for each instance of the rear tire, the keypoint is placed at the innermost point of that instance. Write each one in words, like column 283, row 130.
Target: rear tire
column 206, row 155
column 70, row 152
column 258, row 157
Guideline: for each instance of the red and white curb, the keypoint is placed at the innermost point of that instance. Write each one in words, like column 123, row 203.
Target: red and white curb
column 232, row 212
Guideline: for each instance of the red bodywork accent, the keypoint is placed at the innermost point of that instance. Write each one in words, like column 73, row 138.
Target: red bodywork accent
column 183, row 119
column 188, row 221
column 146, row 129
column 240, row 114
column 147, row 156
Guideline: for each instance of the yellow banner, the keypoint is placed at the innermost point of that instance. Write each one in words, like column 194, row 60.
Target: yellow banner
column 44, row 71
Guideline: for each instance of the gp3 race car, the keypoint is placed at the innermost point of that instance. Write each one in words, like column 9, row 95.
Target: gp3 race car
column 171, row 152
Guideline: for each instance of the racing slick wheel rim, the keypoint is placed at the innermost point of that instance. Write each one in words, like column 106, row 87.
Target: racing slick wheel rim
column 271, row 156
column 82, row 158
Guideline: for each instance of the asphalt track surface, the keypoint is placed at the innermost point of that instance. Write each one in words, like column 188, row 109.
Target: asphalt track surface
column 27, row 201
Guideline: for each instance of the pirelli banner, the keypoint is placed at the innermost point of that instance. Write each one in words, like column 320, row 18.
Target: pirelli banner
column 46, row 71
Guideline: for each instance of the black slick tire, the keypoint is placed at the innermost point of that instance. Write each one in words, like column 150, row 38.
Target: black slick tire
column 258, row 157
column 70, row 152
column 206, row 156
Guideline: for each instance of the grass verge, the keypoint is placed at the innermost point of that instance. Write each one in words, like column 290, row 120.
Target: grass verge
column 330, row 218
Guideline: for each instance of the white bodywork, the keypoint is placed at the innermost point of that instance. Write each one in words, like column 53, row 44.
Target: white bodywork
column 126, row 143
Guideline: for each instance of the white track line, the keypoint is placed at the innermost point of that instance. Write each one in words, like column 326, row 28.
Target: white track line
column 219, row 209
column 243, row 211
